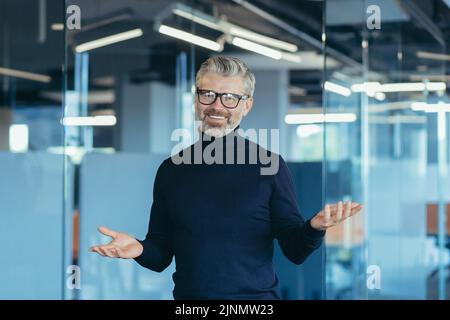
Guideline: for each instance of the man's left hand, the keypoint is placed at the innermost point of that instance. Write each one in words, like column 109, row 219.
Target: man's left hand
column 333, row 214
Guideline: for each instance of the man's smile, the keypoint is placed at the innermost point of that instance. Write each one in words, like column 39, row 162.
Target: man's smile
column 216, row 117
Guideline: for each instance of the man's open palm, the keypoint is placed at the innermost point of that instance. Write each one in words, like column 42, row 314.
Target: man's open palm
column 122, row 245
column 334, row 214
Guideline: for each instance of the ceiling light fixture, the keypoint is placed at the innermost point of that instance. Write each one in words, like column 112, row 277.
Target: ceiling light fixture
column 258, row 48
column 189, row 37
column 25, row 75
column 229, row 28
column 336, row 88
column 102, row 42
column 319, row 118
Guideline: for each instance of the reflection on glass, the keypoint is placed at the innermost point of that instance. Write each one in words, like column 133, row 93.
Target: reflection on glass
column 31, row 176
column 393, row 164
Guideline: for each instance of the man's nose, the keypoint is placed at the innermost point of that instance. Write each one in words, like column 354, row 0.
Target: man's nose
column 217, row 104
column 217, row 107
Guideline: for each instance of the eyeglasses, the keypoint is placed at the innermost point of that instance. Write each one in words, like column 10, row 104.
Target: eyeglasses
column 228, row 100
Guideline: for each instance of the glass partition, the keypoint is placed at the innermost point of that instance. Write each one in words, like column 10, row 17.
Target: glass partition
column 31, row 164
column 381, row 150
column 125, row 95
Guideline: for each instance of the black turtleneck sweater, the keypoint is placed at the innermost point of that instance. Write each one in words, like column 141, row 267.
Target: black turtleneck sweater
column 219, row 221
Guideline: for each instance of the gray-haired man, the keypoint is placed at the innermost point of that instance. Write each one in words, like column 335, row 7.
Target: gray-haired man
column 220, row 220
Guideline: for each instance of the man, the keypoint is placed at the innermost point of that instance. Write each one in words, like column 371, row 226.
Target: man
column 219, row 220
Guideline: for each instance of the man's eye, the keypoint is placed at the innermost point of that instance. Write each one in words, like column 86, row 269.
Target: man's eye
column 229, row 97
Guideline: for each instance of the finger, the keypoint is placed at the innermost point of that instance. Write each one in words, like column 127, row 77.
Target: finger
column 116, row 253
column 355, row 204
column 119, row 252
column 112, row 250
column 333, row 208
column 338, row 216
column 94, row 248
column 356, row 209
column 107, row 232
column 327, row 213
column 110, row 253
column 102, row 251
column 98, row 251
column 347, row 210
column 108, row 246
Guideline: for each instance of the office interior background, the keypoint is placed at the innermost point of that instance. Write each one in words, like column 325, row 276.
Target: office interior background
column 86, row 117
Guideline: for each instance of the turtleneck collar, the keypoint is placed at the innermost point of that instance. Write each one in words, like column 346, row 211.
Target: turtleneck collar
column 205, row 138
column 224, row 142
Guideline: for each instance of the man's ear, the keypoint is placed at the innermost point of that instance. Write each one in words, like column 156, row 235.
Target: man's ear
column 248, row 106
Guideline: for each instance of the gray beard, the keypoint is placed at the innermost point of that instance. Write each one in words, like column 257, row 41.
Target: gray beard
column 218, row 132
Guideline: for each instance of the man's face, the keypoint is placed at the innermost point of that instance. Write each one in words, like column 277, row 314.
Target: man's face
column 217, row 120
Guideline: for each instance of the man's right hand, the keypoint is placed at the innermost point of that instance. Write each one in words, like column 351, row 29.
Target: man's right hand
column 122, row 245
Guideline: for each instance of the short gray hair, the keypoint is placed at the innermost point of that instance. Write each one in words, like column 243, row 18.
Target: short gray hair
column 229, row 67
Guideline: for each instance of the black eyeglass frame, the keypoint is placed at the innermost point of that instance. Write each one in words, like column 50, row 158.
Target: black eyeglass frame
column 217, row 94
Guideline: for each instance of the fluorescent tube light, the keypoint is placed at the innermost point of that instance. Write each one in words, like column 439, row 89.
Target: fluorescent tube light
column 252, row 46
column 380, row 96
column 102, row 42
column 231, row 29
column 400, row 118
column 25, row 75
column 402, row 87
column 373, row 87
column 433, row 56
column 189, row 37
column 297, row 91
column 336, row 88
column 366, row 87
column 57, row 26
column 430, row 107
column 304, row 131
column 412, row 86
column 430, row 77
column 319, row 118
column 93, row 97
column 89, row 121
column 436, row 86
column 253, row 36
column 18, row 138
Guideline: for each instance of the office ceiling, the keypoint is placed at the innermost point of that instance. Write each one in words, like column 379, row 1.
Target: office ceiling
column 406, row 28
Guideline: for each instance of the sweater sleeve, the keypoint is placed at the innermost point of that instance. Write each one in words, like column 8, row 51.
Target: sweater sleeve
column 158, row 253
column 296, row 237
